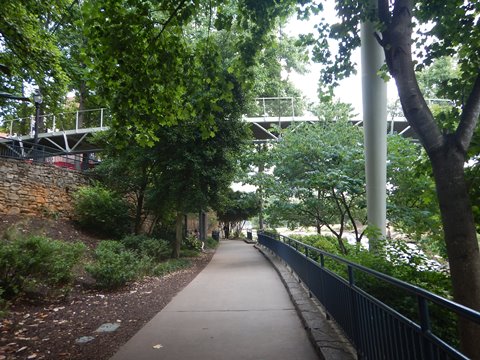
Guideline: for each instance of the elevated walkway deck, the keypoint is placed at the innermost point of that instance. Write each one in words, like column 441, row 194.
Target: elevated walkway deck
column 236, row 308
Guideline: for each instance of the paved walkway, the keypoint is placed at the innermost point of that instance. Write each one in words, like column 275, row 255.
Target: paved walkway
column 236, row 308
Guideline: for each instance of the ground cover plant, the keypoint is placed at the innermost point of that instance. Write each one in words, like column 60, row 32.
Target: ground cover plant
column 399, row 262
column 36, row 265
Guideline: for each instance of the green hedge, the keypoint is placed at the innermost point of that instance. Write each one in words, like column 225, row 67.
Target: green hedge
column 102, row 211
column 145, row 246
column 29, row 262
column 114, row 265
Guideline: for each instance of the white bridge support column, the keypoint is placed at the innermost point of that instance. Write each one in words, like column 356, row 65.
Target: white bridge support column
column 374, row 96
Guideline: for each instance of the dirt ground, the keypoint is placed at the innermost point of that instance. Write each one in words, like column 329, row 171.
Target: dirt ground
column 55, row 329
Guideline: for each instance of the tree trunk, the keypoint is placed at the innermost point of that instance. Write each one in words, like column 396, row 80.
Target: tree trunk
column 178, row 235
column 318, row 226
column 138, row 212
column 447, row 155
column 460, row 239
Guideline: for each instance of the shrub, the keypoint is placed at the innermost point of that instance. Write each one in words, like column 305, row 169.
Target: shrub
column 188, row 253
column 401, row 263
column 148, row 247
column 36, row 261
column 114, row 265
column 192, row 243
column 170, row 266
column 3, row 305
column 101, row 211
column 156, row 248
column 211, row 243
column 325, row 243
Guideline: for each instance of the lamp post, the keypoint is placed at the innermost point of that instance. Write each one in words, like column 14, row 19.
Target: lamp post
column 37, row 99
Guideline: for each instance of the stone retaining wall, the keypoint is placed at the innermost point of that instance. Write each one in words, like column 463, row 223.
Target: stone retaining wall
column 37, row 189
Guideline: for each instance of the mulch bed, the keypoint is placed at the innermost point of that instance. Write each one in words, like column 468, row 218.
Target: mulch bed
column 50, row 330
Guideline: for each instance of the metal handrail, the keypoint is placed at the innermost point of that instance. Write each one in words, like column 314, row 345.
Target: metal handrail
column 465, row 311
column 377, row 330
column 39, row 153
column 75, row 116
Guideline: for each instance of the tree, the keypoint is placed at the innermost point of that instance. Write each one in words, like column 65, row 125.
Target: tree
column 236, row 207
column 333, row 110
column 28, row 47
column 137, row 167
column 144, row 58
column 283, row 55
column 454, row 27
column 319, row 175
column 412, row 203
column 192, row 171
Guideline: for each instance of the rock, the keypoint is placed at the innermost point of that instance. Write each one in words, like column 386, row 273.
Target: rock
column 84, row 339
column 108, row 327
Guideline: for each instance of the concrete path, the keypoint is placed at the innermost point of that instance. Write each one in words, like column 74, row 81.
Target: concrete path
column 236, row 308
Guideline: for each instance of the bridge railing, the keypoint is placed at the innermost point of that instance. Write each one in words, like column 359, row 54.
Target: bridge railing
column 39, row 153
column 64, row 121
column 377, row 330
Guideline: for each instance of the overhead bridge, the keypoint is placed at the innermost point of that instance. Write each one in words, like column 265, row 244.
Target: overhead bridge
column 62, row 133
column 71, row 132
column 265, row 128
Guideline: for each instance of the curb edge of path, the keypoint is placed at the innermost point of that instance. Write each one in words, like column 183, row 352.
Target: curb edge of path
column 325, row 335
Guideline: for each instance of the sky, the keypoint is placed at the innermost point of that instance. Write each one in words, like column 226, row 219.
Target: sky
column 349, row 90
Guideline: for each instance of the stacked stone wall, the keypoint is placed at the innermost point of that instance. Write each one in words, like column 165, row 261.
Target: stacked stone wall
column 37, row 189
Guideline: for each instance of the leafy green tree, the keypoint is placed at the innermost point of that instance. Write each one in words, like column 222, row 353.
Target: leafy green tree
column 454, row 26
column 144, row 58
column 193, row 171
column 283, row 55
column 436, row 78
column 319, row 174
column 28, row 48
column 252, row 169
column 412, row 203
column 137, row 167
column 237, row 206
column 334, row 110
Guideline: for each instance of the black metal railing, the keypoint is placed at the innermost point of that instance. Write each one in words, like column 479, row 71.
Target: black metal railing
column 377, row 330
column 29, row 151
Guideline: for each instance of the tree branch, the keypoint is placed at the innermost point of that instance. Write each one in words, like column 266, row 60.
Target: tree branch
column 397, row 44
column 469, row 118
column 383, row 13
column 166, row 23
column 350, row 216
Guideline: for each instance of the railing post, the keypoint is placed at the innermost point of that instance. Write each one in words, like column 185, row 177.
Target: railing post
column 425, row 326
column 76, row 121
column 354, row 319
column 351, row 278
column 32, row 120
column 101, row 118
column 54, row 125
column 293, row 110
column 11, row 128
